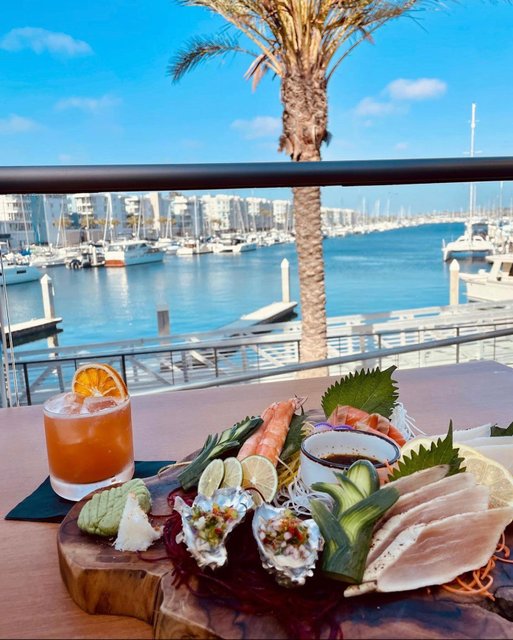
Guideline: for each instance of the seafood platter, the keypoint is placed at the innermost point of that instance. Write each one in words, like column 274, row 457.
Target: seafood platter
column 301, row 523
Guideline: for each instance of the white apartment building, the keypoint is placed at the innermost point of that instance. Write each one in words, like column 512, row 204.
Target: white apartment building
column 282, row 214
column 336, row 217
column 16, row 220
column 219, row 212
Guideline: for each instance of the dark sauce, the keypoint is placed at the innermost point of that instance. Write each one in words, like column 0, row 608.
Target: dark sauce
column 347, row 459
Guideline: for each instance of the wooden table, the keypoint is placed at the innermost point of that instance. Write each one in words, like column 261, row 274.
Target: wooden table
column 33, row 601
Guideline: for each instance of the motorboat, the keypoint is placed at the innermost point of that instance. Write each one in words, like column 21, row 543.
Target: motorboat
column 18, row 273
column 467, row 246
column 168, row 245
column 495, row 285
column 233, row 245
column 90, row 256
column 194, row 247
column 125, row 253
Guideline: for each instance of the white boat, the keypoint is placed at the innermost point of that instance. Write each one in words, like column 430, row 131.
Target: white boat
column 467, row 246
column 168, row 245
column 233, row 245
column 194, row 247
column 126, row 253
column 18, row 273
column 45, row 258
column 495, row 285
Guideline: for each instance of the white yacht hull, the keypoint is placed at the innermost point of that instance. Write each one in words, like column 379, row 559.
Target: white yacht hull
column 18, row 274
column 132, row 253
column 480, row 289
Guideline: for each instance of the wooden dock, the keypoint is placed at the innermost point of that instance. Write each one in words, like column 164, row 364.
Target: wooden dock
column 22, row 332
column 274, row 312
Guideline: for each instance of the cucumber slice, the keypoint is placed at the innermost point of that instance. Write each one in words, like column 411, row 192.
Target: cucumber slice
column 364, row 475
column 345, row 493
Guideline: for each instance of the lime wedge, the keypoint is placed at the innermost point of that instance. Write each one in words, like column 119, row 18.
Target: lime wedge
column 211, row 478
column 232, row 473
column 260, row 474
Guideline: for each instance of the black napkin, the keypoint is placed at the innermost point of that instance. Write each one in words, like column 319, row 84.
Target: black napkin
column 44, row 505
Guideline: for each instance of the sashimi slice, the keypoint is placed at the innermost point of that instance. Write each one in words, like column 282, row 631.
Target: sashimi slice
column 466, row 500
column 502, row 441
column 438, row 552
column 464, row 435
column 430, row 492
column 419, row 479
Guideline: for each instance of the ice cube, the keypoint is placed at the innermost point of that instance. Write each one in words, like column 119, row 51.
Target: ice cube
column 94, row 404
column 65, row 403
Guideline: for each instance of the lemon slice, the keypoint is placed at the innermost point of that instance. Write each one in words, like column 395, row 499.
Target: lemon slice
column 487, row 471
column 232, row 473
column 211, row 478
column 490, row 473
column 259, row 473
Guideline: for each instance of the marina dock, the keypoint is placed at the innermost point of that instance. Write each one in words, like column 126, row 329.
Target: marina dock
column 274, row 312
column 22, row 332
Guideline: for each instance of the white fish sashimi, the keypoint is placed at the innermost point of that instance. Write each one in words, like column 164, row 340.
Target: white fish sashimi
column 500, row 441
column 419, row 479
column 430, row 492
column 466, row 500
column 464, row 435
column 435, row 553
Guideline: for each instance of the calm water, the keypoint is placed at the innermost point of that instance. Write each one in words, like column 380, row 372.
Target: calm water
column 365, row 273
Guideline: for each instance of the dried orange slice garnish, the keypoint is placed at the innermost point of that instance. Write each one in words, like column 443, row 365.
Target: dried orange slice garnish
column 97, row 379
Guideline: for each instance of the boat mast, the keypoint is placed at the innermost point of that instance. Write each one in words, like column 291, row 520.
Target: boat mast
column 472, row 194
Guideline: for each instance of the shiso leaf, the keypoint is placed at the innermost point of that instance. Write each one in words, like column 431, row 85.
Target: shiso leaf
column 102, row 514
column 440, row 452
column 373, row 391
column 497, row 431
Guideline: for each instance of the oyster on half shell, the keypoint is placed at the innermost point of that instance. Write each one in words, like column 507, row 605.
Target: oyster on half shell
column 288, row 546
column 208, row 521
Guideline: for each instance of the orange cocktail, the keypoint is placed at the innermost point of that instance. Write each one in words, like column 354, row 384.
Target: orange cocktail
column 88, row 441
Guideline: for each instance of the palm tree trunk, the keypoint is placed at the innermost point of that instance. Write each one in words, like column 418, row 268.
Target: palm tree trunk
column 305, row 115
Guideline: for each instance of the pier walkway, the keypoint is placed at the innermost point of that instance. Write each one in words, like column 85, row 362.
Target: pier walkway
column 406, row 338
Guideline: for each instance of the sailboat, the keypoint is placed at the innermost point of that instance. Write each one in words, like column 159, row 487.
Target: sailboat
column 469, row 245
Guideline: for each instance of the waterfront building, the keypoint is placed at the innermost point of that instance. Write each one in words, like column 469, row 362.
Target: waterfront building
column 16, row 220
column 51, row 220
column 219, row 212
column 282, row 215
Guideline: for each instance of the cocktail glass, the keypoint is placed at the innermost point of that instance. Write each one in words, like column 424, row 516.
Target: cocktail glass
column 89, row 443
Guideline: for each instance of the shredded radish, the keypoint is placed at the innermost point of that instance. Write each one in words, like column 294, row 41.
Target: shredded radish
column 296, row 496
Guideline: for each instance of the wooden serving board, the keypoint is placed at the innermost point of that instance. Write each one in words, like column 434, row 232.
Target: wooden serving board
column 103, row 580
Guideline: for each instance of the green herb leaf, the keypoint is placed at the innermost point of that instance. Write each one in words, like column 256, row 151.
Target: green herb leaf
column 295, row 437
column 496, row 431
column 440, row 452
column 373, row 391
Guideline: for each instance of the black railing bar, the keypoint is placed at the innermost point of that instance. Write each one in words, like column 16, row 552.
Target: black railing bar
column 329, row 362
column 96, row 178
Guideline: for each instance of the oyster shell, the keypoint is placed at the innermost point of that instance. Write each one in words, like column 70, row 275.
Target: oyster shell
column 289, row 561
column 202, row 520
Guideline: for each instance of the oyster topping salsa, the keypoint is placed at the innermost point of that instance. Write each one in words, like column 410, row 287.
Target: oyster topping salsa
column 211, row 525
column 285, row 534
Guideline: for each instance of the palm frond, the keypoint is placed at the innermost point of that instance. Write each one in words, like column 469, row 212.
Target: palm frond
column 198, row 50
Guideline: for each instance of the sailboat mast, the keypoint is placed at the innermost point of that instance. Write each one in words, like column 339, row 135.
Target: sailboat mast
column 472, row 195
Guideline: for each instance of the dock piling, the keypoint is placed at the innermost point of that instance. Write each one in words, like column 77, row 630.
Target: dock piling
column 454, row 283
column 285, row 280
column 48, row 296
column 163, row 324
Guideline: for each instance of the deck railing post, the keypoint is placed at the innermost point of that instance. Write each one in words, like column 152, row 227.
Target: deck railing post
column 285, row 280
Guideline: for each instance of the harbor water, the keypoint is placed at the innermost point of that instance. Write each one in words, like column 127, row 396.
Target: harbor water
column 379, row 271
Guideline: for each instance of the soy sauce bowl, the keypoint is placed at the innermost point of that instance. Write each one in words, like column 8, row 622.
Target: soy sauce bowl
column 327, row 452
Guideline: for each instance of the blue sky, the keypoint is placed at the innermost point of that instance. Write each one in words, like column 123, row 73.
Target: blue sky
column 86, row 83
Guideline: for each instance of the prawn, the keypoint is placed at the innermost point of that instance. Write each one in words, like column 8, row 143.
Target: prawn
column 251, row 444
column 275, row 434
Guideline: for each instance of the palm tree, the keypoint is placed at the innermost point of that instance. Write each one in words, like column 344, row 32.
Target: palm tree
column 302, row 42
